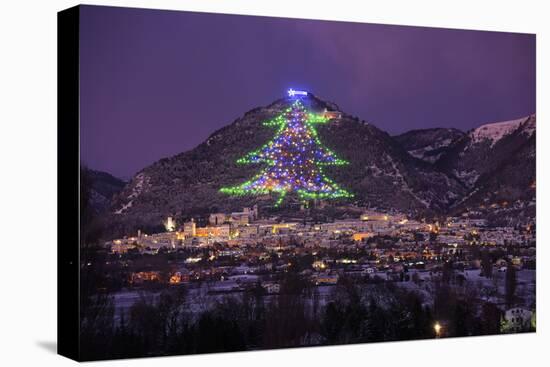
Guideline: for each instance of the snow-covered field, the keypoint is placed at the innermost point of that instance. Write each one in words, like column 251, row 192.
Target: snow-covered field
column 203, row 297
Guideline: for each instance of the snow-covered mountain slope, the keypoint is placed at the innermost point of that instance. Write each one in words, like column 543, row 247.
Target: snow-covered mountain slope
column 102, row 187
column 428, row 144
column 496, row 162
column 483, row 149
column 494, row 132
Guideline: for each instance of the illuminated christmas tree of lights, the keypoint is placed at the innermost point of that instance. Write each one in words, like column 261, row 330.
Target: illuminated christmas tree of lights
column 293, row 159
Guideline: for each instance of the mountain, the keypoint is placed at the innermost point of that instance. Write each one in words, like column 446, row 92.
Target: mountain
column 482, row 150
column 496, row 162
column 103, row 187
column 428, row 144
column 381, row 173
column 487, row 171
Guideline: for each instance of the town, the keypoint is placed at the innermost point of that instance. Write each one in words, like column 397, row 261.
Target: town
column 239, row 251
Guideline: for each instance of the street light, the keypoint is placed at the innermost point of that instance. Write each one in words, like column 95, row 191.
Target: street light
column 437, row 329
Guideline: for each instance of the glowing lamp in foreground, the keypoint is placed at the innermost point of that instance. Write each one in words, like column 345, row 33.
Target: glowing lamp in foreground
column 437, row 329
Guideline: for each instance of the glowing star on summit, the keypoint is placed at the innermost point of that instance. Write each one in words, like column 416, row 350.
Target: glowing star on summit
column 293, row 160
column 293, row 93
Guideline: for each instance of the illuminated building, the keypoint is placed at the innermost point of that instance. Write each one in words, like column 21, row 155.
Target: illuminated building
column 222, row 231
column 360, row 236
column 189, row 228
column 170, row 224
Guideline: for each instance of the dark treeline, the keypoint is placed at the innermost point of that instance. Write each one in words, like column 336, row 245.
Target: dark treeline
column 355, row 313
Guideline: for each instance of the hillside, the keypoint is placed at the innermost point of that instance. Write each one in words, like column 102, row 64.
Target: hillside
column 428, row 144
column 381, row 173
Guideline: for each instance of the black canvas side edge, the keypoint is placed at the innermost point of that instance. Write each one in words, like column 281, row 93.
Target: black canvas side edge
column 68, row 172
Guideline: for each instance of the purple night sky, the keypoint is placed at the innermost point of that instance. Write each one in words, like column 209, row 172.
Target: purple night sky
column 156, row 83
